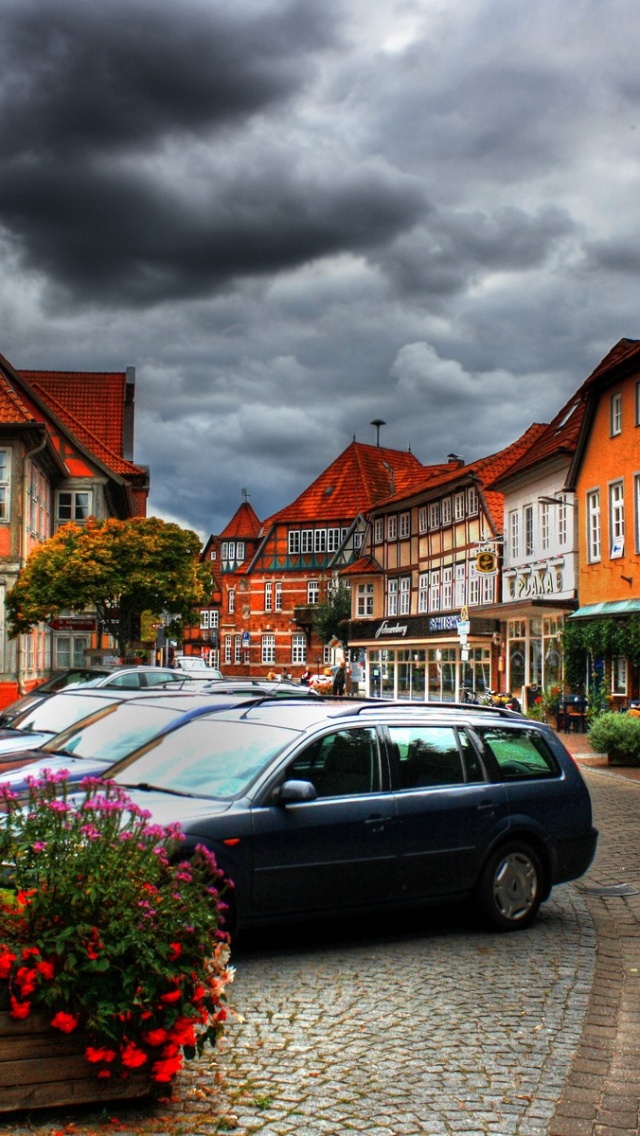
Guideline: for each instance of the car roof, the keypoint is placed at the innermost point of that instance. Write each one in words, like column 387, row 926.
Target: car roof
column 302, row 713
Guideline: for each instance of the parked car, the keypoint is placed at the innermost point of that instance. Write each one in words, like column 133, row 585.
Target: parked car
column 43, row 720
column 261, row 686
column 320, row 808
column 115, row 726
column 118, row 678
column 195, row 664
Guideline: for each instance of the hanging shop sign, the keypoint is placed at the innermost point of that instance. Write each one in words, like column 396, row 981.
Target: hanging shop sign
column 487, row 563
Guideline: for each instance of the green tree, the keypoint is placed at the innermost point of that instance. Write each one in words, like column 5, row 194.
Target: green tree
column 120, row 568
column 331, row 615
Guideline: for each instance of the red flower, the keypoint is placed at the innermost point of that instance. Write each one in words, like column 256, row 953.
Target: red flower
column 167, row 1068
column 131, row 1056
column 19, row 1009
column 175, row 950
column 94, row 946
column 7, row 959
column 99, row 1053
column 183, row 1032
column 65, row 1022
column 25, row 980
column 171, row 996
column 45, row 968
column 155, row 1037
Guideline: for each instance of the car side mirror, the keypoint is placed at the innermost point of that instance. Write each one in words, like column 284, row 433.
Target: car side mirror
column 292, row 792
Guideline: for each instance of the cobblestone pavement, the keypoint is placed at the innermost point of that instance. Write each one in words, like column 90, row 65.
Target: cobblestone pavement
column 427, row 1026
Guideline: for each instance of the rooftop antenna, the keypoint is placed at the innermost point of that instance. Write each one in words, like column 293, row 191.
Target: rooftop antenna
column 377, row 422
column 246, row 494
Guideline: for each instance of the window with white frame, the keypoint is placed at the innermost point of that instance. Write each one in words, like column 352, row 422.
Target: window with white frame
column 237, row 649
column 73, row 505
column 423, row 519
column 294, row 542
column 618, row 674
column 445, row 511
column 268, row 648
column 636, row 483
column 637, row 404
column 5, row 474
column 320, row 540
column 458, row 507
column 434, row 515
column 213, row 555
column 405, row 525
column 224, row 550
column 616, row 413
column 404, row 606
column 460, row 585
column 231, row 550
column 228, row 646
column 562, row 514
column 472, row 501
column 514, row 535
column 392, row 596
column 423, row 592
column 474, row 585
column 70, row 651
column 39, row 502
column 357, row 539
column 594, row 542
column 240, row 551
column 278, row 595
column 378, row 530
column 298, row 649
column 268, row 596
column 306, row 543
column 545, row 526
column 209, row 618
column 392, row 527
column 616, row 519
column 434, row 590
column 528, row 530
column 487, row 589
column 333, row 540
column 447, row 588
column 232, row 600
column 313, row 591
column 364, row 599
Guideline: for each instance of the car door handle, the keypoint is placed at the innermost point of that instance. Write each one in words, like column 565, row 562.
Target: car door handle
column 488, row 807
column 377, row 823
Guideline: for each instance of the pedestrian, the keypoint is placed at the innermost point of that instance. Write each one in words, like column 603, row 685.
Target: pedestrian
column 305, row 677
column 339, row 680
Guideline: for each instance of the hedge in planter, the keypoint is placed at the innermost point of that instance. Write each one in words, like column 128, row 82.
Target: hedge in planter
column 617, row 735
column 107, row 933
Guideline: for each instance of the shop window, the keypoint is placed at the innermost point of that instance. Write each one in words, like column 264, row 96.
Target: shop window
column 618, row 675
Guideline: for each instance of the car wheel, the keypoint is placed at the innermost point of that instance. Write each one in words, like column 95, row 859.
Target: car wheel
column 511, row 886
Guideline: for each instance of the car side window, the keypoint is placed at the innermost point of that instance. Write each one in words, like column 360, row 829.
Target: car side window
column 340, row 764
column 522, row 755
column 126, row 681
column 428, row 755
column 158, row 678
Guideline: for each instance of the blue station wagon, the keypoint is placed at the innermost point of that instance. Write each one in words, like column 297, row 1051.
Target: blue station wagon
column 316, row 808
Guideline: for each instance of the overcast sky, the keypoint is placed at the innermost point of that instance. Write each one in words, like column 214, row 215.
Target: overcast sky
column 296, row 216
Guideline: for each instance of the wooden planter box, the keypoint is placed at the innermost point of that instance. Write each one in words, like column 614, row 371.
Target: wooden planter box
column 41, row 1067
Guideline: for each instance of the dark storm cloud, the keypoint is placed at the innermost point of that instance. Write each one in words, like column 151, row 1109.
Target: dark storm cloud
column 101, row 76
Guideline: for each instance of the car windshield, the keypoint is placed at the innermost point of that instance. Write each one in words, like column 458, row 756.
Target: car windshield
column 207, row 757
column 57, row 712
column 114, row 732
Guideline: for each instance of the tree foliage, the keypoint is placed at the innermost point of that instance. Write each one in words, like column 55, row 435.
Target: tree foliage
column 596, row 639
column 120, row 568
column 330, row 616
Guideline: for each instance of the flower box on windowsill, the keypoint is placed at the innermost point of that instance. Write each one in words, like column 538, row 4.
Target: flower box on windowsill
column 42, row 1068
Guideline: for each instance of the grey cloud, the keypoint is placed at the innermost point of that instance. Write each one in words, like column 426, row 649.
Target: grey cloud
column 95, row 76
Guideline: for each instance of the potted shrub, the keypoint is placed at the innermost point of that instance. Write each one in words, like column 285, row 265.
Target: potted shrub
column 110, row 946
column 617, row 735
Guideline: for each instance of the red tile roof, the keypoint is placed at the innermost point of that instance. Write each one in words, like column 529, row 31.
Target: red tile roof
column 244, row 524
column 559, row 437
column 91, row 416
column 360, row 477
column 12, row 407
column 94, row 398
column 625, row 351
column 365, row 566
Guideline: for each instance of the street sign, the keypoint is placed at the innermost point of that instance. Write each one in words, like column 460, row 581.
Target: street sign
column 73, row 623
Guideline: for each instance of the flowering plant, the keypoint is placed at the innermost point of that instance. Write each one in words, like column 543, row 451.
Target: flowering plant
column 105, row 929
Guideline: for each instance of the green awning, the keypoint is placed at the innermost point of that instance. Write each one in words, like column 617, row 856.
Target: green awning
column 609, row 607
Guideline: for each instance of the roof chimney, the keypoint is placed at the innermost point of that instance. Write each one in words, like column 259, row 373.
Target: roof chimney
column 455, row 459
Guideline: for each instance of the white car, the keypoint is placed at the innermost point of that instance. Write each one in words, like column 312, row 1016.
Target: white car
column 196, row 666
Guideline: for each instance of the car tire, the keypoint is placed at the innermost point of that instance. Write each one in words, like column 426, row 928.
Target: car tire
column 511, row 887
